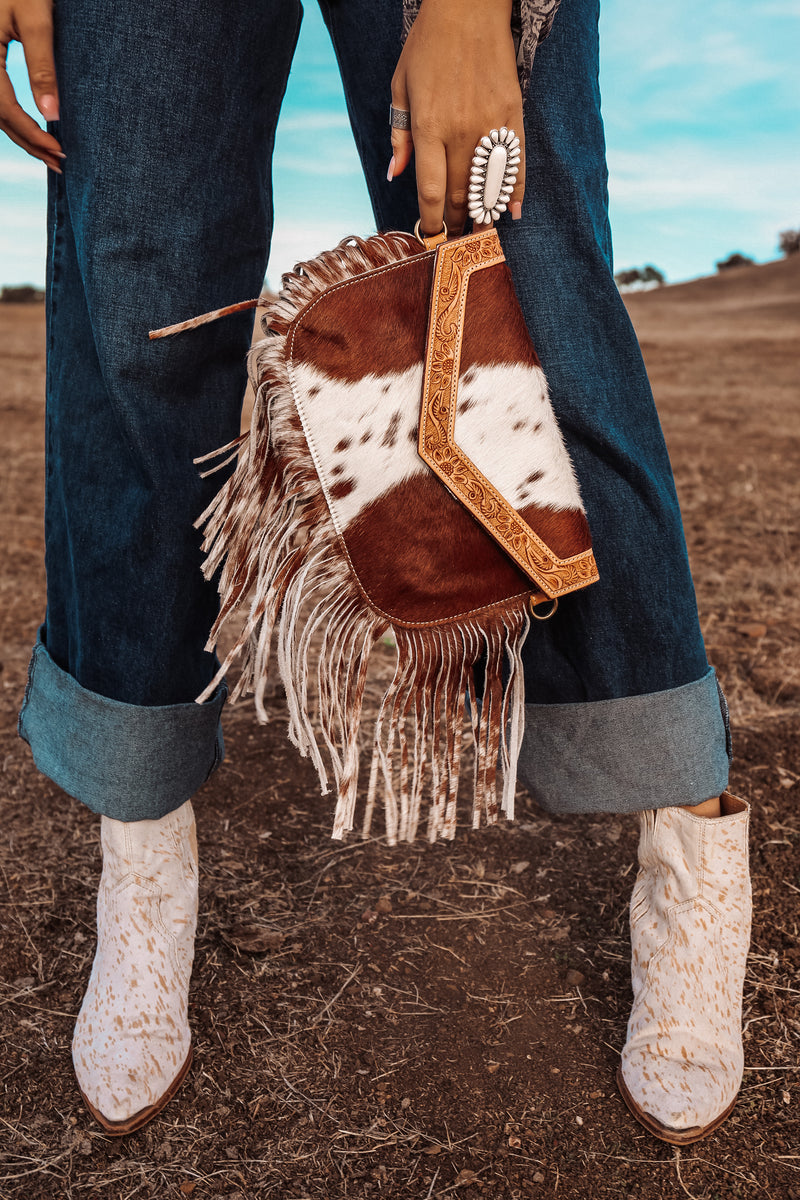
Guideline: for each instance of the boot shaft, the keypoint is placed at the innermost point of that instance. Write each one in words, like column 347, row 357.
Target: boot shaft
column 693, row 857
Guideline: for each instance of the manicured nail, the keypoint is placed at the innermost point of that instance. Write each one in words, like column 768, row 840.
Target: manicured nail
column 516, row 210
column 48, row 107
column 390, row 172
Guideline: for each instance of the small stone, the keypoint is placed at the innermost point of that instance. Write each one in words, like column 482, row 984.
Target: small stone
column 574, row 978
column 537, row 1177
column 755, row 629
column 384, row 905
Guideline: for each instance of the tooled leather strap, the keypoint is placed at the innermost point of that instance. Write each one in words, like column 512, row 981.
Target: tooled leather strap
column 455, row 262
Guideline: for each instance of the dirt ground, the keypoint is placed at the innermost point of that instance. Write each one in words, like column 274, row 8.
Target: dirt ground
column 381, row 1022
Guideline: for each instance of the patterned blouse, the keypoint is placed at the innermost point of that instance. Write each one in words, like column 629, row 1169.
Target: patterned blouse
column 530, row 23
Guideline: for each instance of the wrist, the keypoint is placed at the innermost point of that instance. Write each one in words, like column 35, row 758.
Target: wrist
column 471, row 11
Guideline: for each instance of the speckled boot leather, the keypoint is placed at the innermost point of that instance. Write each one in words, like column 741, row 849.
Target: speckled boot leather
column 682, row 1063
column 132, row 1045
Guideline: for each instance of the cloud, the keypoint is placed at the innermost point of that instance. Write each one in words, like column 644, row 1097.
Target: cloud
column 717, row 66
column 325, row 163
column 687, row 175
column 305, row 122
column 718, row 57
column 22, row 169
column 28, row 218
column 293, row 242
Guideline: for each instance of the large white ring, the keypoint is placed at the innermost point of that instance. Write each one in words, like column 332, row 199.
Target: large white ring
column 493, row 175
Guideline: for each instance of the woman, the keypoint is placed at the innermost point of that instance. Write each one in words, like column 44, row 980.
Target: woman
column 162, row 209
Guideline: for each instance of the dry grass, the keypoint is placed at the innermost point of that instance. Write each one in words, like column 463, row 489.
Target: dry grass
column 378, row 1022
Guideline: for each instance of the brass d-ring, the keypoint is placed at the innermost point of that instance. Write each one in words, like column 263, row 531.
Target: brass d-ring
column 544, row 616
column 430, row 243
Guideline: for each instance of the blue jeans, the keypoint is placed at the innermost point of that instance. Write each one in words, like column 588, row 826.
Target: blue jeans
column 164, row 211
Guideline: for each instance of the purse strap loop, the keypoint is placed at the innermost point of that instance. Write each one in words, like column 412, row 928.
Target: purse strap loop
column 435, row 239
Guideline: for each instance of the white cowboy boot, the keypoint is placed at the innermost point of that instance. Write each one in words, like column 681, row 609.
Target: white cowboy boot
column 682, row 1064
column 132, row 1045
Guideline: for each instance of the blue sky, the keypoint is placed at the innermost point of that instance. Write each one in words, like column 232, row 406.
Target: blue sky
column 702, row 113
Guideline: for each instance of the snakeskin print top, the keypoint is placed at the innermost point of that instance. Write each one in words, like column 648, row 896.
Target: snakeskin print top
column 530, row 23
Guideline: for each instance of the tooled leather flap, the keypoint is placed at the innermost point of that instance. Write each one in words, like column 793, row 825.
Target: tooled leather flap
column 456, row 262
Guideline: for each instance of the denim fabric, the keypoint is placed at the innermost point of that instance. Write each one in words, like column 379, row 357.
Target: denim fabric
column 132, row 761
column 578, row 757
column 165, row 210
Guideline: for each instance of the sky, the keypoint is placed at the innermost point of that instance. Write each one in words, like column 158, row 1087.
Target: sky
column 702, row 113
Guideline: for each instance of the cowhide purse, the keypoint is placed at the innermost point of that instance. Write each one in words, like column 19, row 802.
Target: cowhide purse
column 403, row 475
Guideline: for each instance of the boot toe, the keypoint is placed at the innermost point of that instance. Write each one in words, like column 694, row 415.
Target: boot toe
column 680, row 1096
column 121, row 1083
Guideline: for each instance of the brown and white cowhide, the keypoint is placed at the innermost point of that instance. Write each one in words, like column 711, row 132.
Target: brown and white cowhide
column 340, row 533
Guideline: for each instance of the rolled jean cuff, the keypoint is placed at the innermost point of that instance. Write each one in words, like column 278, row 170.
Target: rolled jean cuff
column 639, row 752
column 128, row 761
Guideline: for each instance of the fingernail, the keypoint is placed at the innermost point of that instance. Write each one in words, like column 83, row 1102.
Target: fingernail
column 48, row 107
column 390, row 172
column 59, row 154
column 516, row 210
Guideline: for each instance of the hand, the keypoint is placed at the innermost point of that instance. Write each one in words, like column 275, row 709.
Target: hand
column 457, row 76
column 30, row 22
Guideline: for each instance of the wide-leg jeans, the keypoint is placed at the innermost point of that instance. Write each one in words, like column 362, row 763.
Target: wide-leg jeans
column 164, row 210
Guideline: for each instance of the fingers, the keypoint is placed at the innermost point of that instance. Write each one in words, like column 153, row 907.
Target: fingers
column 459, row 160
column 402, row 141
column 443, row 168
column 402, row 149
column 35, row 31
column 32, row 25
column 23, row 130
column 443, row 180
column 431, row 164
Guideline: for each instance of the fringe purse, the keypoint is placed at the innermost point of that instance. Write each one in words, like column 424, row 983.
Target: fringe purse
column 403, row 475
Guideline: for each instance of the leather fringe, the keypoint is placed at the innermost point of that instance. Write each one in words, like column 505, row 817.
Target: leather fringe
column 270, row 534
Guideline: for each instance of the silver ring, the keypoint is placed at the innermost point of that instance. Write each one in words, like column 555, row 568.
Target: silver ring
column 399, row 118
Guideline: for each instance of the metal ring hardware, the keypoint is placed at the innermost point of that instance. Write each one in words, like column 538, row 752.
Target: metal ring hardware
column 543, row 616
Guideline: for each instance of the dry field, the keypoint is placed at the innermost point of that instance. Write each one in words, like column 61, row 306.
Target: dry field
column 377, row 1022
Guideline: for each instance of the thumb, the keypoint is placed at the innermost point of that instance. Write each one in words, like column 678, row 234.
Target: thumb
column 402, row 141
column 35, row 27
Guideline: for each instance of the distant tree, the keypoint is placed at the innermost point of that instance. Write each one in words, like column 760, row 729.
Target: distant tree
column 643, row 275
column 789, row 242
column 734, row 260
column 629, row 277
column 21, row 295
column 651, row 274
